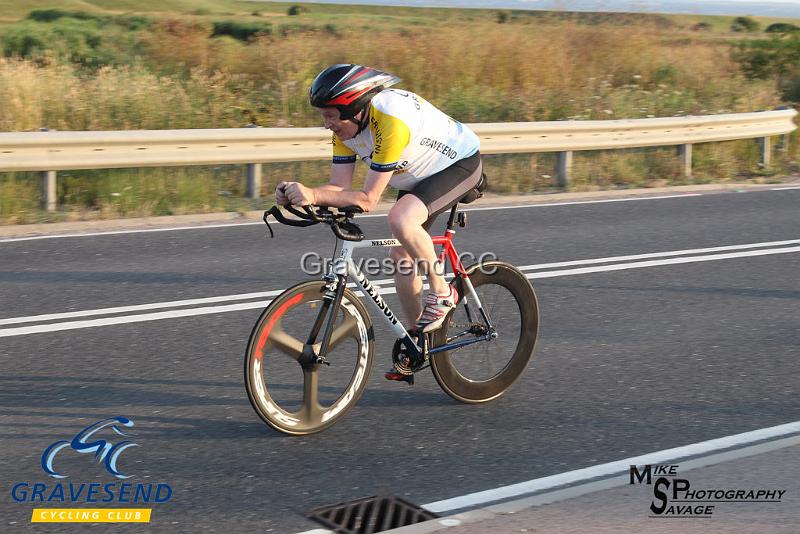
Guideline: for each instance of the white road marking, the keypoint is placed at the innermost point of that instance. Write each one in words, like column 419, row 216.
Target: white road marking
column 659, row 254
column 172, row 314
column 136, row 231
column 611, row 468
column 138, row 307
column 158, row 305
column 654, row 263
column 124, row 319
column 249, row 296
column 579, row 202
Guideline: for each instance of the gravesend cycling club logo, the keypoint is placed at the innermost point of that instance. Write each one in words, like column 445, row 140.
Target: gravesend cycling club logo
column 102, row 449
column 675, row 497
column 97, row 442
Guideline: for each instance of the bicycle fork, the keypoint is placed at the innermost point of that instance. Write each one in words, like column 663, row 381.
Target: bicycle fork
column 331, row 301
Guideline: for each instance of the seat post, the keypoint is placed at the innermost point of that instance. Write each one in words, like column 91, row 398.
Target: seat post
column 451, row 222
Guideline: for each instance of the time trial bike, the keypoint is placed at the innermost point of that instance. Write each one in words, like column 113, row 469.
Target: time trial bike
column 311, row 351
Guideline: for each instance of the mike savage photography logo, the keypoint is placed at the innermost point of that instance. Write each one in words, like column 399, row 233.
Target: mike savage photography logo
column 676, row 497
column 97, row 442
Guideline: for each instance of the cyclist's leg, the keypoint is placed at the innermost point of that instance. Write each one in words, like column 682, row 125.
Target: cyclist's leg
column 424, row 202
column 408, row 284
column 406, row 220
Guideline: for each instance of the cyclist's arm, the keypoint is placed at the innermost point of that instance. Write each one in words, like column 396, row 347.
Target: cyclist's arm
column 342, row 168
column 366, row 199
column 341, row 177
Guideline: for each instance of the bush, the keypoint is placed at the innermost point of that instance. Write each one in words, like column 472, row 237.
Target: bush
column 777, row 58
column 763, row 58
column 242, row 31
column 75, row 37
column 133, row 22
column 781, row 27
column 744, row 24
column 67, row 39
column 50, row 15
column 296, row 10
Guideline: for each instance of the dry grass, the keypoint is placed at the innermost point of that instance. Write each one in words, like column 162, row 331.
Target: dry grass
column 481, row 72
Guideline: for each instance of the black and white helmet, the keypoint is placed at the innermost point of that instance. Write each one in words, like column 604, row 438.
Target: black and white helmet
column 348, row 87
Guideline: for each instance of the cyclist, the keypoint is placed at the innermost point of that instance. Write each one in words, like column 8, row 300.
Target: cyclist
column 409, row 144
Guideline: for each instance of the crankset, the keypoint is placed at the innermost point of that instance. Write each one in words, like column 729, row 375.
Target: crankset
column 406, row 364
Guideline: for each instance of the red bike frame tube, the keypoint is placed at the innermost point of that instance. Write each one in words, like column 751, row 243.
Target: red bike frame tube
column 450, row 251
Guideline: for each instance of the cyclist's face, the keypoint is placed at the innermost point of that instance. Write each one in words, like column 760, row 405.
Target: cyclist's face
column 343, row 129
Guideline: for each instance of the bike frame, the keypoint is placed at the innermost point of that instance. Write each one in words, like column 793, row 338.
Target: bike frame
column 344, row 266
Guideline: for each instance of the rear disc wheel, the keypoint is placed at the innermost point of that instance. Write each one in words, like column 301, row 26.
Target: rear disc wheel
column 483, row 371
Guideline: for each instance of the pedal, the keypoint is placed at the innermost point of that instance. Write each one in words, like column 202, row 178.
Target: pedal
column 399, row 377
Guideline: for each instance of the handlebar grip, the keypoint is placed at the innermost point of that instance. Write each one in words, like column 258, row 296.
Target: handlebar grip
column 276, row 212
column 301, row 214
column 347, row 231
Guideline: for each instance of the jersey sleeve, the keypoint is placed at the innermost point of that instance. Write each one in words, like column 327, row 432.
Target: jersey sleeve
column 392, row 136
column 342, row 152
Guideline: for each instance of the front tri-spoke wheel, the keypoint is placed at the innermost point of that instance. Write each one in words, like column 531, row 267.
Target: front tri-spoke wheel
column 483, row 371
column 288, row 389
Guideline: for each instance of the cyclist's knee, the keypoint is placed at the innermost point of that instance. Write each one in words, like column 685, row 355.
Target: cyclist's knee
column 405, row 216
column 397, row 220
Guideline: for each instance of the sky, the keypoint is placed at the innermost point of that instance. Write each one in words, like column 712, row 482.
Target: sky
column 770, row 8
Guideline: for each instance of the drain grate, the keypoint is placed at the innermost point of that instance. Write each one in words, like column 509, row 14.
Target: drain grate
column 371, row 514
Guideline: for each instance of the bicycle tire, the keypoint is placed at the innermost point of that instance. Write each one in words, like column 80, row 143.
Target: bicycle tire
column 449, row 368
column 294, row 310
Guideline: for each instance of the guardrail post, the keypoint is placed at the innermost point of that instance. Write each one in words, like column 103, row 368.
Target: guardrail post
column 254, row 180
column 48, row 200
column 253, row 175
column 766, row 151
column 685, row 153
column 783, row 143
column 563, row 168
column 49, row 190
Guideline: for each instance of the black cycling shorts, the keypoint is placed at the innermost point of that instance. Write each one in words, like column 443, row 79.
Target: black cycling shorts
column 441, row 191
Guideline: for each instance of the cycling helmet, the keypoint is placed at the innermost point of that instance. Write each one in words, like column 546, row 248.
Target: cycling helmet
column 348, row 87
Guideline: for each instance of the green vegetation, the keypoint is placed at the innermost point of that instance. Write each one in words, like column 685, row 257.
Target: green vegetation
column 781, row 27
column 777, row 58
column 744, row 24
column 243, row 31
column 141, row 64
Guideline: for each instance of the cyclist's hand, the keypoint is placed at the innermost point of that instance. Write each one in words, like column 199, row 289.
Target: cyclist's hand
column 298, row 194
column 280, row 194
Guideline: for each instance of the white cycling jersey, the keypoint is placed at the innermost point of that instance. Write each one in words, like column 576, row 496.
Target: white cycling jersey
column 407, row 135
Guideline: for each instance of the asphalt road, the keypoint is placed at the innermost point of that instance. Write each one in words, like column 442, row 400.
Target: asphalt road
column 629, row 361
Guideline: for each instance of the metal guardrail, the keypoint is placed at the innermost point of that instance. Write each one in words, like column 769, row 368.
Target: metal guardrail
column 52, row 151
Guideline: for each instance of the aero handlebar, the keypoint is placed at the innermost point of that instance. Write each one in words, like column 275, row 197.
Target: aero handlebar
column 339, row 222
